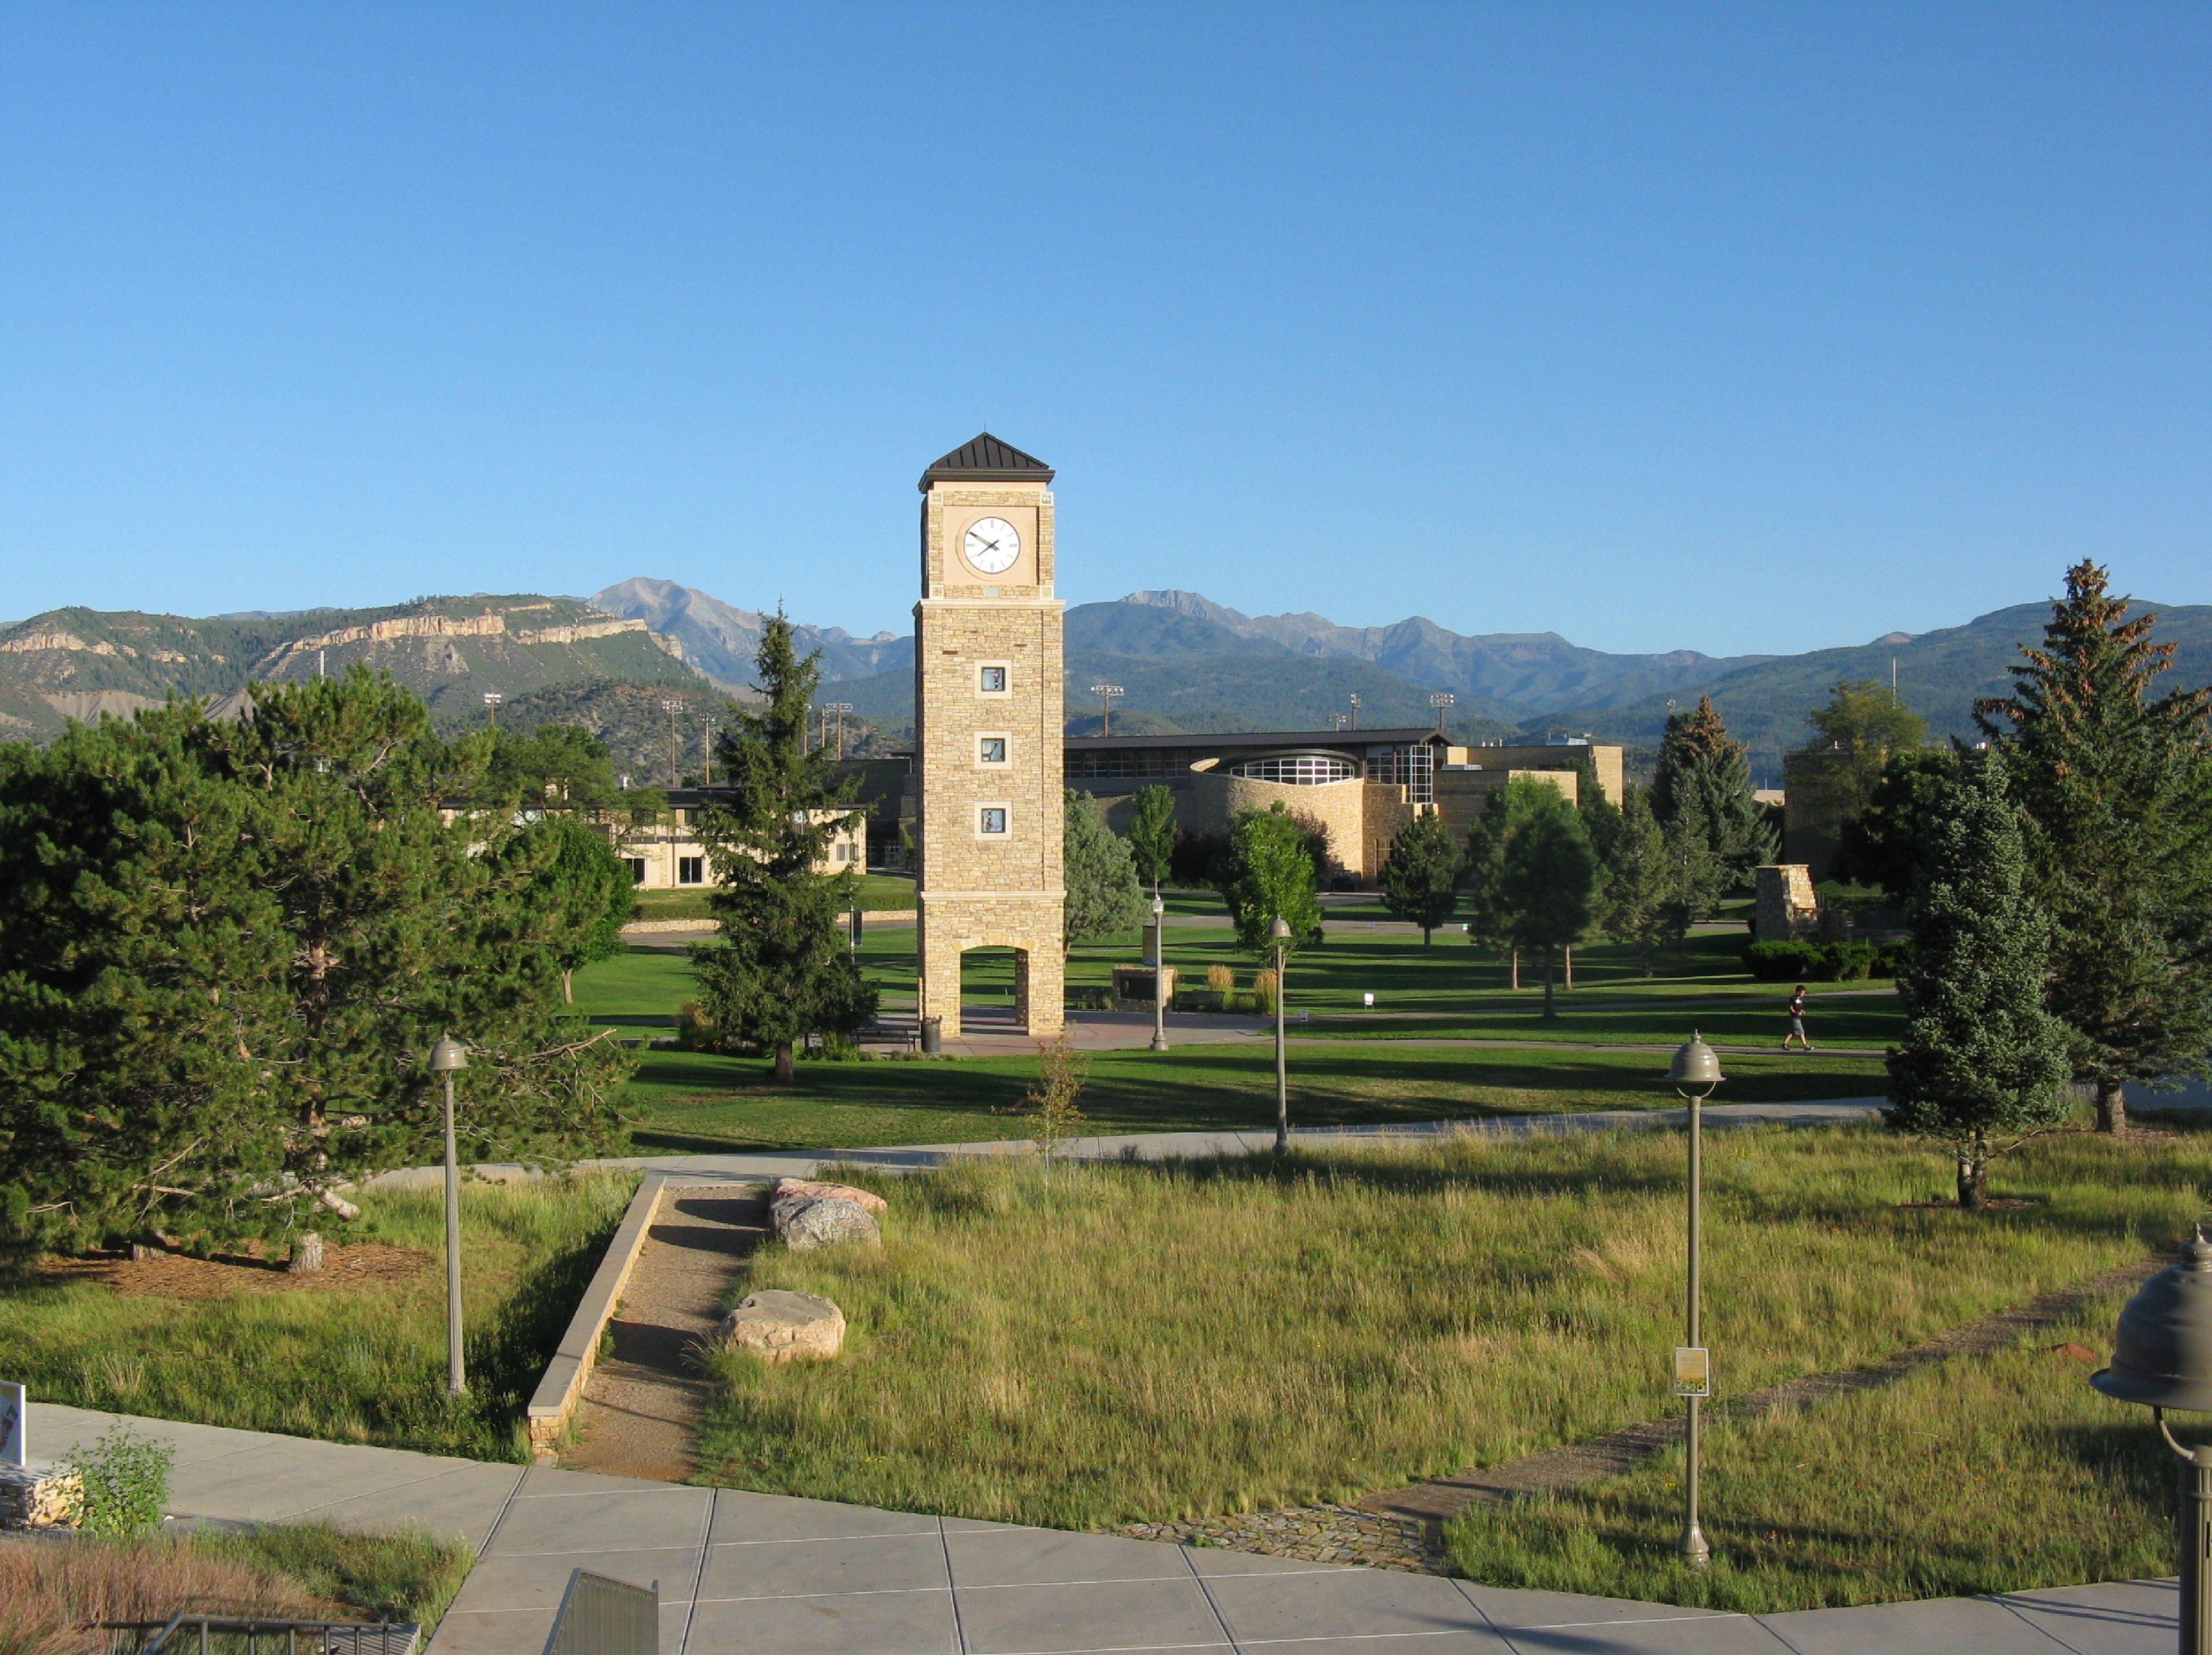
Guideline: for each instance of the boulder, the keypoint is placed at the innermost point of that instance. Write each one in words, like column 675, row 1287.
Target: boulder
column 804, row 1221
column 821, row 1191
column 778, row 1326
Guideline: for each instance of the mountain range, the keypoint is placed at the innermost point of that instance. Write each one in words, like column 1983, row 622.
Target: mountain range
column 1186, row 662
column 1182, row 661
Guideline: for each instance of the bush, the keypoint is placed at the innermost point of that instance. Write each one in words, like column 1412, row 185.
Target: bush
column 1263, row 993
column 1893, row 958
column 695, row 1030
column 1851, row 962
column 126, row 1483
column 1220, row 978
column 1789, row 960
column 1089, row 997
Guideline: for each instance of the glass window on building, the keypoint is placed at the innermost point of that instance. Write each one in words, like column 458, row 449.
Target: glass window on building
column 690, row 870
column 636, row 869
column 993, row 681
column 994, row 750
column 992, row 818
column 1297, row 770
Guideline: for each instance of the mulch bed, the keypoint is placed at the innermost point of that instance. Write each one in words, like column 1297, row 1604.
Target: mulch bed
column 178, row 1275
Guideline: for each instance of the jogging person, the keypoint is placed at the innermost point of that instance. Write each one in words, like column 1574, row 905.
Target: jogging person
column 1797, row 1021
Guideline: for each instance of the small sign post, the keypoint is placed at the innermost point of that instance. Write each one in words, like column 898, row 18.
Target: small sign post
column 14, row 1425
column 1693, row 1370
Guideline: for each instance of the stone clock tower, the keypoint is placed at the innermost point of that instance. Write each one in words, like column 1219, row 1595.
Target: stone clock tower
column 987, row 725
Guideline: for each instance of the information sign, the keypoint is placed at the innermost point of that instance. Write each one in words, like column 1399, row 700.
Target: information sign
column 1693, row 1370
column 14, row 1425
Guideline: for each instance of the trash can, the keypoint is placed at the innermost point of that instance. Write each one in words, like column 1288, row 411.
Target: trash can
column 933, row 1036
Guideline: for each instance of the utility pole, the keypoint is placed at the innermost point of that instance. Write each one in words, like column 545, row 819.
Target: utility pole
column 1441, row 699
column 673, row 709
column 1106, row 694
column 492, row 698
column 840, row 707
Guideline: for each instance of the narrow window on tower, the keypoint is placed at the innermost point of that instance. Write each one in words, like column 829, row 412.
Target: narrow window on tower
column 991, row 681
column 990, row 821
column 990, row 750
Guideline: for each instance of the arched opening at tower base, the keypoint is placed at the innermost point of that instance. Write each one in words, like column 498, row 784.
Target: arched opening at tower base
column 1004, row 986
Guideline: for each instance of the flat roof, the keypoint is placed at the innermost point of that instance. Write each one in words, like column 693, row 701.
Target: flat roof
column 1401, row 736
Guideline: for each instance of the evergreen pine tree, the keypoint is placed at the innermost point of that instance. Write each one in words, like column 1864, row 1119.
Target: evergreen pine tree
column 1641, row 898
column 1704, row 776
column 1152, row 834
column 782, row 970
column 1982, row 1062
column 1420, row 876
column 2118, row 791
column 1102, row 895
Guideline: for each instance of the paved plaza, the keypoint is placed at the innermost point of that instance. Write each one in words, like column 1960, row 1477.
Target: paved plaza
column 742, row 1571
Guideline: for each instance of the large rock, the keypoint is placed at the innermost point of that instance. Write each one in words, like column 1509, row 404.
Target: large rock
column 779, row 1326
column 821, row 1191
column 804, row 1221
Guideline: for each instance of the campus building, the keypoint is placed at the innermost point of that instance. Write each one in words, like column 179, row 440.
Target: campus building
column 664, row 853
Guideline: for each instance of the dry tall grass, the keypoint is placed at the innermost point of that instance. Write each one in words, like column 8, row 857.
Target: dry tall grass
column 1145, row 1343
column 55, row 1593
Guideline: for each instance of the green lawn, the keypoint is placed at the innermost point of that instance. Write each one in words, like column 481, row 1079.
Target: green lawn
column 1149, row 1341
column 361, row 1363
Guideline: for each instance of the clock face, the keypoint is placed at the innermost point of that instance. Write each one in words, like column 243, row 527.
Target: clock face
column 991, row 546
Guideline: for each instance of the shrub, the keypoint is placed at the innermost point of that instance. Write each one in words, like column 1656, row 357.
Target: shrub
column 1787, row 960
column 1220, row 978
column 126, row 1483
column 1893, row 958
column 695, row 1030
column 1851, row 962
column 1263, row 993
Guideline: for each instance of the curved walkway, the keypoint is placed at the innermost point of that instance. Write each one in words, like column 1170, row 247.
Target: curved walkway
column 741, row 1572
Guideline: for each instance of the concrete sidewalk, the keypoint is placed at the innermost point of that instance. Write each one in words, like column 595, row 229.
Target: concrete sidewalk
column 740, row 1572
column 1188, row 1146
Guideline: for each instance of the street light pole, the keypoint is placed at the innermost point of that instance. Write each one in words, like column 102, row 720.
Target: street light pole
column 1159, row 972
column 1696, row 1072
column 447, row 1057
column 1280, row 935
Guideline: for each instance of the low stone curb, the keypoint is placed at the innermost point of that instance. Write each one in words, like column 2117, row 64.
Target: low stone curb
column 578, row 1353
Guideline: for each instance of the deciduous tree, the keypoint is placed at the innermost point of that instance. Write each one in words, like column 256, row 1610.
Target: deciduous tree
column 1983, row 1065
column 1535, row 871
column 1152, row 834
column 1268, row 871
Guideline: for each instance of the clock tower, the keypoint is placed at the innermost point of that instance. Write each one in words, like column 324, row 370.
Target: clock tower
column 988, row 724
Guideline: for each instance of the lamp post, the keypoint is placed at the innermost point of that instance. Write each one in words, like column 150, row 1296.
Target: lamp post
column 445, row 1058
column 2162, row 1358
column 1280, row 935
column 1695, row 1072
column 1159, row 972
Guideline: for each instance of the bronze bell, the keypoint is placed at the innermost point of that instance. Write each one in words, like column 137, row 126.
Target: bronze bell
column 2162, row 1354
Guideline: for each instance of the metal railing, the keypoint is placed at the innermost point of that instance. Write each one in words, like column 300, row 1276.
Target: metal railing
column 186, row 1634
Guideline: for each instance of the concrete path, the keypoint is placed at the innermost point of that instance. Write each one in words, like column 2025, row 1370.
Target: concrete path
column 1188, row 1146
column 640, row 1407
column 742, row 1572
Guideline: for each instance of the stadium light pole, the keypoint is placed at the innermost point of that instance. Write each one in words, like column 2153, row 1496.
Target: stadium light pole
column 840, row 707
column 447, row 1057
column 1441, row 699
column 1355, row 712
column 674, row 709
column 492, row 698
column 1106, row 693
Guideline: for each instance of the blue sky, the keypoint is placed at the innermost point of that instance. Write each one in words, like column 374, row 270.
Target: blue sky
column 1754, row 328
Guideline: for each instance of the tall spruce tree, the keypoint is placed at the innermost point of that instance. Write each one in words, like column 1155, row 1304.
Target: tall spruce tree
column 1420, row 876
column 1101, row 879
column 1152, row 834
column 782, row 970
column 1704, row 776
column 2118, row 790
column 1641, row 900
column 1984, row 1065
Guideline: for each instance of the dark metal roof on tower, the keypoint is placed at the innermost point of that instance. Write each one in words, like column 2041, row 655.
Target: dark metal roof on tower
column 984, row 459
